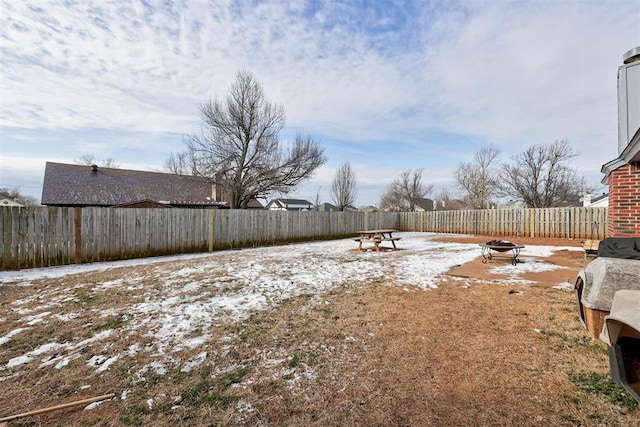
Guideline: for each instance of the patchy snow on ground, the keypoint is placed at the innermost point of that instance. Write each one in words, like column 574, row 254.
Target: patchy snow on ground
column 192, row 293
column 524, row 265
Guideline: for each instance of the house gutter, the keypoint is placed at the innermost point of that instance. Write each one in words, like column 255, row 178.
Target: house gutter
column 629, row 155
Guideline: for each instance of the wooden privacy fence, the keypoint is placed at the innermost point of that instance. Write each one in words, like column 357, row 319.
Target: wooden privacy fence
column 42, row 236
column 567, row 223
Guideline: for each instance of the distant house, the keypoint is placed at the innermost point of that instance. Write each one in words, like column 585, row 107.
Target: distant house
column 423, row 205
column 512, row 204
column 79, row 185
column 326, row 207
column 519, row 204
column 290, row 205
column 569, row 204
column 368, row 209
column 9, row 202
column 450, row 205
column 601, row 201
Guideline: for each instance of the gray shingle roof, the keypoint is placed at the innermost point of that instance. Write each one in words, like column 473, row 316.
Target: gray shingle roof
column 295, row 201
column 426, row 204
column 77, row 185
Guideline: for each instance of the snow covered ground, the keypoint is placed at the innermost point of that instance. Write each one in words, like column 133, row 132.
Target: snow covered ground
column 174, row 301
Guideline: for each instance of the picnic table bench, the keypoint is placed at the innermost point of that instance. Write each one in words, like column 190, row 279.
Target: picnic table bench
column 590, row 248
column 376, row 237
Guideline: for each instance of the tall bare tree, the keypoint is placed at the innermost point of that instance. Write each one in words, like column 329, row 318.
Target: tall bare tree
column 478, row 180
column 317, row 199
column 90, row 159
column 344, row 187
column 405, row 192
column 541, row 176
column 239, row 145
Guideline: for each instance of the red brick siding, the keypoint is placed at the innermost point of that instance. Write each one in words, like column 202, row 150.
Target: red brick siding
column 624, row 202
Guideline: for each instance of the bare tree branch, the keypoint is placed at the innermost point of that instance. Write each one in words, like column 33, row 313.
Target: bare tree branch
column 403, row 193
column 180, row 164
column 15, row 195
column 540, row 176
column 343, row 187
column 239, row 146
column 90, row 159
column 478, row 180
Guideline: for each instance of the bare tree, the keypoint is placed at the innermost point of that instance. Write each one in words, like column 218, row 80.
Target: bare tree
column 477, row 179
column 15, row 195
column 343, row 187
column 180, row 164
column 240, row 149
column 444, row 201
column 317, row 199
column 90, row 159
column 392, row 200
column 405, row 192
column 541, row 177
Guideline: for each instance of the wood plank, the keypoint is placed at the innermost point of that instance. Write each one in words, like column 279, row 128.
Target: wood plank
column 45, row 236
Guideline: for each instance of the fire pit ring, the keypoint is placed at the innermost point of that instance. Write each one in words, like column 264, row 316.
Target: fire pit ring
column 500, row 246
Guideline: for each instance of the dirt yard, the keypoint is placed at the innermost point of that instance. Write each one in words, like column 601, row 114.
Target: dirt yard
column 484, row 347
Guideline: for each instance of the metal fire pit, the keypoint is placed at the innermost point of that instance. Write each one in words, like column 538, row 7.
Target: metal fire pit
column 500, row 246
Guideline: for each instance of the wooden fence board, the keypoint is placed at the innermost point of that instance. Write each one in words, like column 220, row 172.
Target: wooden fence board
column 41, row 236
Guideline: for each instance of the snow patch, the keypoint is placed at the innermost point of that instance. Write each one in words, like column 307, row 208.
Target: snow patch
column 194, row 362
column 193, row 293
column 12, row 333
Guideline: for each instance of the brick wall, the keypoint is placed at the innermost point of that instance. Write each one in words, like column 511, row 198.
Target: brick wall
column 624, row 202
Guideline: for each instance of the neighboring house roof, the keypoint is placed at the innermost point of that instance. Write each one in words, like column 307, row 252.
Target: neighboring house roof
column 368, row 209
column 290, row 204
column 143, row 204
column 79, row 185
column 449, row 205
column 569, row 204
column 425, row 204
column 600, row 201
column 255, row 204
column 512, row 204
column 326, row 207
column 9, row 202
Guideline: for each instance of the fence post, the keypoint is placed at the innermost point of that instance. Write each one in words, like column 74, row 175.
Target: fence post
column 211, row 224
column 532, row 226
column 475, row 222
column 77, row 219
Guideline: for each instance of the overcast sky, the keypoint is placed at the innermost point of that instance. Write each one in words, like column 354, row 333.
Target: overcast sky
column 385, row 85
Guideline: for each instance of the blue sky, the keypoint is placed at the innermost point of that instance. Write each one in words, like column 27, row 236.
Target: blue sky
column 385, row 85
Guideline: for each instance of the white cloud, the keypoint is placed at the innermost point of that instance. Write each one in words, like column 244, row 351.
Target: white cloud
column 425, row 81
column 533, row 72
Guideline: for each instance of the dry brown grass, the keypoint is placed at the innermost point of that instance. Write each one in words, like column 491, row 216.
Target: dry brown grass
column 468, row 353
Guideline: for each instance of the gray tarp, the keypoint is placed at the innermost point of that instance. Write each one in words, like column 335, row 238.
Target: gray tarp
column 602, row 277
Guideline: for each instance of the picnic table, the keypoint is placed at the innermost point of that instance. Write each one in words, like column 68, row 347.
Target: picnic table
column 376, row 237
column 590, row 248
column 500, row 246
